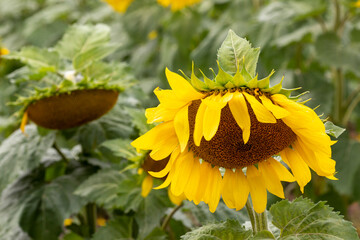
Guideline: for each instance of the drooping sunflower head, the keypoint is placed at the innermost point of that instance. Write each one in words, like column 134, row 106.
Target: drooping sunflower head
column 224, row 137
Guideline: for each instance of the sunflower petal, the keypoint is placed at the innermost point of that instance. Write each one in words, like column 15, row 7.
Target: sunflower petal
column 262, row 114
column 241, row 189
column 281, row 170
column 162, row 173
column 146, row 186
column 205, row 171
column 181, row 87
column 271, row 180
column 168, row 99
column 257, row 189
column 176, row 199
column 211, row 122
column 182, row 174
column 276, row 110
column 198, row 129
column 149, row 139
column 194, row 181
column 241, row 115
column 299, row 168
column 168, row 178
column 160, row 114
column 181, row 124
column 164, row 147
column 228, row 189
column 216, row 190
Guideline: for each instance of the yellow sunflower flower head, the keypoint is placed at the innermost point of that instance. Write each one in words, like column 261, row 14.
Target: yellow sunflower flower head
column 177, row 4
column 119, row 5
column 239, row 125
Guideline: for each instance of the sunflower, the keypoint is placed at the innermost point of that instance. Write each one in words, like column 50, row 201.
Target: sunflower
column 4, row 51
column 119, row 5
column 225, row 138
column 177, row 4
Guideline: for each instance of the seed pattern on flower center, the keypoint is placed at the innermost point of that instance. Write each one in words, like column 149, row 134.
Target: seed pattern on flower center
column 227, row 149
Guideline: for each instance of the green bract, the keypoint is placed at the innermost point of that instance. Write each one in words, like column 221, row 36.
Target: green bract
column 236, row 51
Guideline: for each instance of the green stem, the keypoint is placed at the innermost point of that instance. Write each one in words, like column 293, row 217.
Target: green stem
column 251, row 214
column 168, row 217
column 261, row 221
column 338, row 96
column 91, row 218
column 56, row 147
column 350, row 109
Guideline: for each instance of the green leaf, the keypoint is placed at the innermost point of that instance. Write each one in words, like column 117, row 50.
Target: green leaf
column 263, row 235
column 80, row 39
column 200, row 213
column 303, row 219
column 344, row 153
column 233, row 51
column 226, row 230
column 115, row 229
column 333, row 130
column 19, row 153
column 40, row 59
column 103, row 188
column 40, row 208
column 330, row 51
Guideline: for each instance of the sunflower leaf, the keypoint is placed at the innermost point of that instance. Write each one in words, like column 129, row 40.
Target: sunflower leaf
column 333, row 130
column 233, row 51
column 229, row 229
column 19, row 153
column 42, row 60
column 118, row 228
column 303, row 219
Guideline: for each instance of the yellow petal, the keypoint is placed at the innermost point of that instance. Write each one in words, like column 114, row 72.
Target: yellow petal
column 241, row 189
column 218, row 101
column 168, row 166
column 198, row 129
column 228, row 189
column 146, row 185
column 257, row 189
column 299, row 168
column 184, row 165
column 216, row 190
column 205, row 170
column 181, row 124
column 271, row 179
column 194, row 181
column 23, row 122
column 168, row 99
column 262, row 114
column 211, row 122
column 281, row 170
column 276, row 110
column 160, row 114
column 176, row 199
column 241, row 115
column 168, row 178
column 181, row 87
column 149, row 139
column 164, row 147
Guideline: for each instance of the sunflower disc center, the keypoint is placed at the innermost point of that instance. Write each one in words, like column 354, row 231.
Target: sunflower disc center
column 227, row 149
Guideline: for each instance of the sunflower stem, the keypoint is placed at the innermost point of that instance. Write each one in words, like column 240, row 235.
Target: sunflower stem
column 261, row 221
column 251, row 214
column 58, row 150
column 168, row 217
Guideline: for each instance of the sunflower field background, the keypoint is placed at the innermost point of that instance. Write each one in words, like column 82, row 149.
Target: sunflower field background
column 88, row 182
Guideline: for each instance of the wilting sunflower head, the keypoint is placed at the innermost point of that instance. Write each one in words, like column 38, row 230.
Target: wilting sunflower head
column 235, row 124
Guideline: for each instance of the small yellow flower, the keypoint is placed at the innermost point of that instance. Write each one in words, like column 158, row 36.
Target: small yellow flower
column 177, row 4
column 100, row 221
column 356, row 4
column 152, row 35
column 119, row 5
column 67, row 222
column 4, row 51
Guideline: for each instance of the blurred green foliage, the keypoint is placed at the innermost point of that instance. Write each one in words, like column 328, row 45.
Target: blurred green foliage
column 48, row 176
